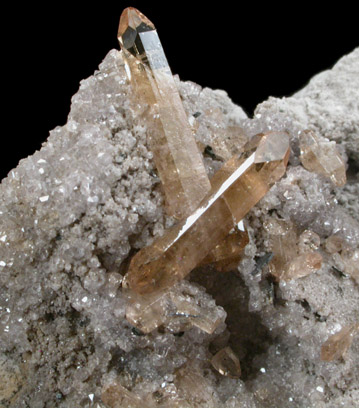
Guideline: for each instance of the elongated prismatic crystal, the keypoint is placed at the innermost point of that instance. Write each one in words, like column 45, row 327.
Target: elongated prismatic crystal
column 176, row 155
column 181, row 169
column 236, row 188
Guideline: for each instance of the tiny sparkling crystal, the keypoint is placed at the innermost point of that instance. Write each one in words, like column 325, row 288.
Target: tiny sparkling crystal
column 236, row 188
column 226, row 363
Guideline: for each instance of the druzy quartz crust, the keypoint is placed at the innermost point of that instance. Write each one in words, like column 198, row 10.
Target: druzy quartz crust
column 262, row 308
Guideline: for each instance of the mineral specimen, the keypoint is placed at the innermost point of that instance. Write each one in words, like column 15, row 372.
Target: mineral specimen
column 334, row 244
column 321, row 156
column 179, row 164
column 348, row 261
column 338, row 344
column 226, row 141
column 75, row 212
column 117, row 396
column 294, row 257
column 226, row 363
column 236, row 188
column 226, row 255
column 178, row 161
column 177, row 309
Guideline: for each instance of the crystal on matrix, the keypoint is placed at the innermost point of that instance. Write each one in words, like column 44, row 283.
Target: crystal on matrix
column 180, row 166
column 175, row 152
column 226, row 141
column 194, row 387
column 294, row 256
column 346, row 259
column 149, row 311
column 303, row 265
column 114, row 395
column 334, row 244
column 321, row 156
column 236, row 188
column 350, row 260
column 226, row 363
column 177, row 309
column 338, row 344
column 226, row 255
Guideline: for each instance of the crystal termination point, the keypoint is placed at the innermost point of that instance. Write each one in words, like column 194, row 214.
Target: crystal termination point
column 236, row 188
column 175, row 152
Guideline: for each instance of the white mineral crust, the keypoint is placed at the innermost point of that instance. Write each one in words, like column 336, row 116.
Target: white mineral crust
column 71, row 213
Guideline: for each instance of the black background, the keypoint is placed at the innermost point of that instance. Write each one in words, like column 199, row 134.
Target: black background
column 250, row 50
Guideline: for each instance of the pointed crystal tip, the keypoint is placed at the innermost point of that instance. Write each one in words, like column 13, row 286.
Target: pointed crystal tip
column 273, row 146
column 132, row 22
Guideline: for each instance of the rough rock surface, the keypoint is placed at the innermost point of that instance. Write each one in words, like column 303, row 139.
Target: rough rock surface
column 74, row 211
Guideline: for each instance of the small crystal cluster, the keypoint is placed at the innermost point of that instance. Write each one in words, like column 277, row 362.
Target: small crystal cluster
column 230, row 194
column 264, row 314
column 294, row 256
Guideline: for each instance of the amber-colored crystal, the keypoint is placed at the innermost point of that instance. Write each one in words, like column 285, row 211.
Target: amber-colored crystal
column 350, row 259
column 226, row 141
column 302, row 265
column 236, row 188
column 115, row 395
column 180, row 167
column 226, row 255
column 334, row 244
column 338, row 344
column 321, row 156
column 226, row 363
column 194, row 387
column 294, row 257
column 149, row 311
column 176, row 155
column 174, row 308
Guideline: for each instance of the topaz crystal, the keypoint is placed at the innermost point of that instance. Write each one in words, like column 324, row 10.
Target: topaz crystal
column 294, row 257
column 226, row 363
column 321, row 156
column 236, row 188
column 338, row 344
column 177, row 309
column 175, row 152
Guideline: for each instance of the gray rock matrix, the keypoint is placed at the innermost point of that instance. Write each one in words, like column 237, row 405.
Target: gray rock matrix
column 72, row 213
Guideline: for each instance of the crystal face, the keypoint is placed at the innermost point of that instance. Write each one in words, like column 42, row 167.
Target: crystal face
column 74, row 213
column 321, row 156
column 338, row 344
column 295, row 255
column 184, row 181
column 236, row 188
column 114, row 395
column 177, row 309
column 227, row 363
column 132, row 24
column 175, row 152
column 226, row 255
